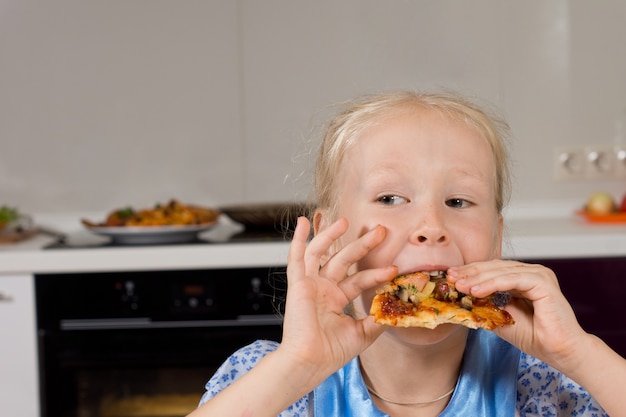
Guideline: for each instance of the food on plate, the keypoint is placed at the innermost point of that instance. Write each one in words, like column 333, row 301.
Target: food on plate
column 8, row 215
column 427, row 299
column 600, row 203
column 622, row 206
column 14, row 225
column 173, row 213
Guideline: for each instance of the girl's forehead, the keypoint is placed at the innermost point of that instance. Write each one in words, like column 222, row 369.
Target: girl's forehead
column 419, row 126
column 403, row 139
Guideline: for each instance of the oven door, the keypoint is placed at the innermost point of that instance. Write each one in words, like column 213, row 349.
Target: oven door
column 144, row 344
column 135, row 372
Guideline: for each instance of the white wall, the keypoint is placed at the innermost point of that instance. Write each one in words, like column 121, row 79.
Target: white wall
column 109, row 103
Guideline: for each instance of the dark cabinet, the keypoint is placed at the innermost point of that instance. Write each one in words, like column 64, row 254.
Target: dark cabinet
column 596, row 289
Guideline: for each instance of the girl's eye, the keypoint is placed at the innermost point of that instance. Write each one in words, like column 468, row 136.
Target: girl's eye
column 391, row 200
column 457, row 203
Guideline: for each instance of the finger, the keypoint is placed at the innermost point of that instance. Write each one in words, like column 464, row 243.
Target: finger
column 484, row 278
column 338, row 265
column 297, row 249
column 320, row 246
column 356, row 283
column 476, row 279
column 474, row 270
column 371, row 330
column 477, row 273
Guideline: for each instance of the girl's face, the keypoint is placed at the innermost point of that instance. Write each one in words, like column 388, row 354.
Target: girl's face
column 429, row 180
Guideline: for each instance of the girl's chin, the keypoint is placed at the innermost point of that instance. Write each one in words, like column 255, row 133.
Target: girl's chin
column 425, row 337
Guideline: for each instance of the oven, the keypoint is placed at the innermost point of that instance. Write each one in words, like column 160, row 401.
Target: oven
column 143, row 343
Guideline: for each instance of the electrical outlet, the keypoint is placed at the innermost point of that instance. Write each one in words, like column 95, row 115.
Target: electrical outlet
column 620, row 161
column 569, row 163
column 599, row 162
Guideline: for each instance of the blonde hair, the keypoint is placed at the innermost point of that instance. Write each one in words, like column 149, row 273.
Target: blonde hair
column 344, row 130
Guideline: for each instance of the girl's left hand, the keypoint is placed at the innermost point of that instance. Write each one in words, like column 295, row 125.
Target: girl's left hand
column 545, row 324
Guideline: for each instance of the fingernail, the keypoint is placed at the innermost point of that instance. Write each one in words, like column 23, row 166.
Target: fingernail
column 376, row 229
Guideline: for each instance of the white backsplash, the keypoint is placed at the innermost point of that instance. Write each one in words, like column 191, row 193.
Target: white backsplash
column 106, row 104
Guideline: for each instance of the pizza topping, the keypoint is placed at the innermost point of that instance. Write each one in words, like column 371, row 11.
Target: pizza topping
column 416, row 280
column 467, row 302
column 427, row 299
column 444, row 291
column 501, row 298
column 417, row 286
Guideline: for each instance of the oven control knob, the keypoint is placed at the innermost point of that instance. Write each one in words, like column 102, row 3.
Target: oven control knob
column 255, row 295
column 256, row 285
column 128, row 297
column 193, row 302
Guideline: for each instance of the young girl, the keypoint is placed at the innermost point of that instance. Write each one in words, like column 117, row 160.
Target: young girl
column 415, row 182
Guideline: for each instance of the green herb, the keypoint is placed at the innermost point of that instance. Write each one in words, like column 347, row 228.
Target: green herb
column 8, row 214
column 124, row 213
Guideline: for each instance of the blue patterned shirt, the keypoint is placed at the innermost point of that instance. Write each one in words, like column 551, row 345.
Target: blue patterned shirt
column 541, row 390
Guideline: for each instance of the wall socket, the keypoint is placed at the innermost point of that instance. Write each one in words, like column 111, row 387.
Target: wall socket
column 595, row 162
column 620, row 162
column 569, row 164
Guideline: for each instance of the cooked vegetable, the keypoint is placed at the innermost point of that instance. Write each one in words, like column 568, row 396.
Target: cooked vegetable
column 7, row 215
column 124, row 213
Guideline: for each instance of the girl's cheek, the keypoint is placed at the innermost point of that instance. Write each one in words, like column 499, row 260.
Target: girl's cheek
column 385, row 254
column 361, row 305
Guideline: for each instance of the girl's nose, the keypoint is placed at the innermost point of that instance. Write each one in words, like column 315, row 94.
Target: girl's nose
column 429, row 237
column 430, row 231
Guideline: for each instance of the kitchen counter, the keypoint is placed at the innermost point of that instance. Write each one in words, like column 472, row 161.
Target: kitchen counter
column 181, row 256
column 87, row 252
column 525, row 238
column 563, row 237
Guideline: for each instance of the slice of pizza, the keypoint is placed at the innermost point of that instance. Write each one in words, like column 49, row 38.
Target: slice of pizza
column 427, row 299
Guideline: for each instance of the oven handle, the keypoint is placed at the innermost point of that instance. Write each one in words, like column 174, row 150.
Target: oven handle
column 147, row 323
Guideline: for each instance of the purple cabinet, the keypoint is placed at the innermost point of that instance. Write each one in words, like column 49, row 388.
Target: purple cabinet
column 596, row 289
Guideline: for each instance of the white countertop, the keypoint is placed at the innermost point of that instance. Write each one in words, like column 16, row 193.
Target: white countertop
column 567, row 237
column 213, row 251
column 525, row 238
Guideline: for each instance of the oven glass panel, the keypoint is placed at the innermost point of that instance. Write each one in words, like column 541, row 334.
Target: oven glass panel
column 145, row 392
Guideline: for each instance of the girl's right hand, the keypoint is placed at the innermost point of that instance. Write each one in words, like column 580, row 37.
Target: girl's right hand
column 317, row 334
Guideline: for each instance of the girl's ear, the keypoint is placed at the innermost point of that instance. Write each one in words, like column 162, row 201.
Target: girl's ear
column 320, row 220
